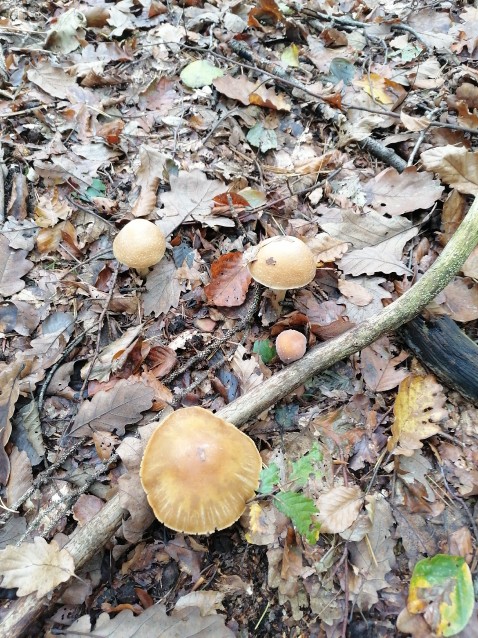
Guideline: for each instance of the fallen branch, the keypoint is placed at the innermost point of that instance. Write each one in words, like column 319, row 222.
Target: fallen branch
column 88, row 540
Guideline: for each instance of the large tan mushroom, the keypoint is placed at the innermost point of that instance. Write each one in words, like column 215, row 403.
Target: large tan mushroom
column 139, row 244
column 282, row 263
column 199, row 471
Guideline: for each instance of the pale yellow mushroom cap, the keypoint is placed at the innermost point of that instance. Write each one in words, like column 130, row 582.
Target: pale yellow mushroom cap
column 283, row 262
column 139, row 244
column 199, row 471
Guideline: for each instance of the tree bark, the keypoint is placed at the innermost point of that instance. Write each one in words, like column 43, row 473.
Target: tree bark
column 86, row 541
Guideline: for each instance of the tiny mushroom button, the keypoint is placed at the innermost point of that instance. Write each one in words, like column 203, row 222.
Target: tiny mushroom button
column 198, row 471
column 139, row 244
column 282, row 263
column 291, row 345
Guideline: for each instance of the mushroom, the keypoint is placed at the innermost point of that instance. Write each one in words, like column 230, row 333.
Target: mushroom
column 198, row 471
column 291, row 345
column 139, row 244
column 281, row 263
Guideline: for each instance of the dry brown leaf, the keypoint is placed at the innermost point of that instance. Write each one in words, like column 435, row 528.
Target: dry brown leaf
column 35, row 567
column 54, row 80
column 373, row 285
column 230, row 280
column 414, row 123
column 268, row 98
column 49, row 210
column 385, row 257
column 9, row 392
column 191, row 195
column 359, row 229
column 246, row 370
column 339, row 508
column 111, row 411
column 379, row 366
column 185, row 624
column 13, row 266
column 418, row 409
column 162, row 289
column 148, row 175
column 86, row 507
column 356, row 293
column 21, row 476
column 161, row 360
column 112, row 357
column 393, row 193
column 461, row 300
column 65, row 35
column 133, row 498
column 456, row 166
column 327, row 249
column 239, row 89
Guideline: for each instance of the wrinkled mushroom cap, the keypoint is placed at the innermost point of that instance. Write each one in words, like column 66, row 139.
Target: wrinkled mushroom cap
column 139, row 244
column 291, row 345
column 283, row 262
column 199, row 471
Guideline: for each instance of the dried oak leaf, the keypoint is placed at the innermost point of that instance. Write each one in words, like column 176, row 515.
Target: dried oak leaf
column 13, row 266
column 9, row 392
column 239, row 89
column 268, row 98
column 154, row 621
column 339, row 508
column 191, row 196
column 162, row 289
column 418, row 409
column 35, row 567
column 267, row 11
column 394, row 193
column 111, row 411
column 379, row 367
column 230, row 280
column 456, row 166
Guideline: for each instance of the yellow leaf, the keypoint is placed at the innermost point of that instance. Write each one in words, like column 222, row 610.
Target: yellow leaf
column 381, row 89
column 418, row 408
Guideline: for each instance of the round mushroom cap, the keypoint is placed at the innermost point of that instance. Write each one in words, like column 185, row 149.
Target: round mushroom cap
column 291, row 345
column 283, row 262
column 139, row 244
column 199, row 471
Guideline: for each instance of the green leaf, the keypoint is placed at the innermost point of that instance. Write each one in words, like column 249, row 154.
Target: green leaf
column 200, row 73
column 306, row 466
column 301, row 510
column 97, row 189
column 443, row 586
column 290, row 55
column 269, row 479
column 265, row 349
column 261, row 138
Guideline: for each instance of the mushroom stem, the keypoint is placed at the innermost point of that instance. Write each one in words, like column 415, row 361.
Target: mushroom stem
column 279, row 295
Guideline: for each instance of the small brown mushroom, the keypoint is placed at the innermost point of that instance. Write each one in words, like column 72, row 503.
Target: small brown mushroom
column 139, row 244
column 198, row 471
column 282, row 263
column 291, row 345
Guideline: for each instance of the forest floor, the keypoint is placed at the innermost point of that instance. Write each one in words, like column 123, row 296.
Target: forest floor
column 349, row 125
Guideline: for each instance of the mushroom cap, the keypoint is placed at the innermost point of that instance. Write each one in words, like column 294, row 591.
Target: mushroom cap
column 199, row 471
column 283, row 262
column 291, row 345
column 139, row 244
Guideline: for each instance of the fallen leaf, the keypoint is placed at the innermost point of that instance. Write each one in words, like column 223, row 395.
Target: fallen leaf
column 461, row 300
column 86, row 507
column 268, row 98
column 266, row 10
column 54, row 80
column 379, row 367
column 162, row 289
column 246, row 370
column 148, row 175
column 191, row 195
column 21, row 476
column 385, row 257
column 418, row 409
column 456, row 166
column 111, row 411
column 35, row 567
column 188, row 624
column 64, row 36
column 9, row 393
column 327, row 249
column 230, row 280
column 339, row 508
column 49, row 210
column 13, row 266
column 200, row 73
column 393, row 193
column 239, row 88
column 357, row 294
column 112, row 357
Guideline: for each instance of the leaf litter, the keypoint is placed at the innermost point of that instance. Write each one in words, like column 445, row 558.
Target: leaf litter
column 226, row 124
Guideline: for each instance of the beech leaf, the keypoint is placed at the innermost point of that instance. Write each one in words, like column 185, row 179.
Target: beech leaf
column 339, row 508
column 162, row 289
column 9, row 392
column 13, row 266
column 456, row 166
column 230, row 281
column 35, row 567
column 418, row 408
column 112, row 410
column 394, row 193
